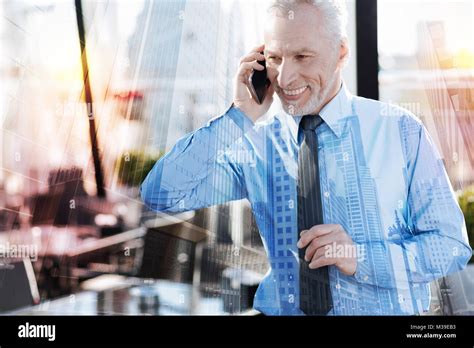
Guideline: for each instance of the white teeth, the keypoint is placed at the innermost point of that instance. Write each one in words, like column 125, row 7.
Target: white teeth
column 294, row 91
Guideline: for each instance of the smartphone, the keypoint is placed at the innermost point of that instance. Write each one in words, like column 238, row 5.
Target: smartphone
column 259, row 83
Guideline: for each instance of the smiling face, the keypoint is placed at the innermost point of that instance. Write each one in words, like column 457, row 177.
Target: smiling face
column 303, row 61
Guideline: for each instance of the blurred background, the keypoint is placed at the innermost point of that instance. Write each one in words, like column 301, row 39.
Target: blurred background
column 93, row 92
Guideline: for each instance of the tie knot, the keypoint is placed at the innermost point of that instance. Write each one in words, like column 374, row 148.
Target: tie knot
column 310, row 122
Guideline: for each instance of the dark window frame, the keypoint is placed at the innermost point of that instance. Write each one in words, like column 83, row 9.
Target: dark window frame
column 367, row 49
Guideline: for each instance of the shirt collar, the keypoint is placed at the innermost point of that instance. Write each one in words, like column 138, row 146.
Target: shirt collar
column 339, row 107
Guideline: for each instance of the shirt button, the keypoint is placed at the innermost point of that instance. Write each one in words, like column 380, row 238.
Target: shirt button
column 366, row 278
column 326, row 194
column 338, row 286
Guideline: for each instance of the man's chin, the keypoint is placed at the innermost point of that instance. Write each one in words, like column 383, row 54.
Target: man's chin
column 296, row 109
column 290, row 109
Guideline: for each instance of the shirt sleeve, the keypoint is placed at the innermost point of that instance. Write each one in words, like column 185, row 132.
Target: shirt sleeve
column 198, row 172
column 434, row 242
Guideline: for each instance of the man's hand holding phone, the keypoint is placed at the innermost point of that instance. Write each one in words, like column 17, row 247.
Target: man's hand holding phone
column 246, row 93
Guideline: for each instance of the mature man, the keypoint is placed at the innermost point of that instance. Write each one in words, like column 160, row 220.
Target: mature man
column 350, row 195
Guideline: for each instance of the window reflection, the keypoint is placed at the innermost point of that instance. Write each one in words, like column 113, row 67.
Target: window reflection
column 427, row 66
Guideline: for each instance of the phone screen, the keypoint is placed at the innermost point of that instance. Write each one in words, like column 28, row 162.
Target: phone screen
column 259, row 83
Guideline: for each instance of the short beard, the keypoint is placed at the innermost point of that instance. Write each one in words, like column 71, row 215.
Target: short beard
column 314, row 103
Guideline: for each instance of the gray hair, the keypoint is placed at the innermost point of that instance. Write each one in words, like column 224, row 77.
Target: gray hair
column 334, row 13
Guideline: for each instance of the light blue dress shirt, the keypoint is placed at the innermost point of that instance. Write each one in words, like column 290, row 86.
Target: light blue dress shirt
column 381, row 177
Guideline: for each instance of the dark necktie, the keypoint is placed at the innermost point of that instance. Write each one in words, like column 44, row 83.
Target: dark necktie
column 315, row 293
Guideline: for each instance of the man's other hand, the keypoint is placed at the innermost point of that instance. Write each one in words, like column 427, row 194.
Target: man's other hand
column 329, row 245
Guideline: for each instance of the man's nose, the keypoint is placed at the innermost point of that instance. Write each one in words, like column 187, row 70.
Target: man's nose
column 286, row 74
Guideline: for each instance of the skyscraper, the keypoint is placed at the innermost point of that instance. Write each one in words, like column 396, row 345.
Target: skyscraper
column 185, row 53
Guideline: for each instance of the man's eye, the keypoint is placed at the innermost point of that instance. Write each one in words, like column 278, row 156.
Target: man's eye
column 273, row 58
column 301, row 56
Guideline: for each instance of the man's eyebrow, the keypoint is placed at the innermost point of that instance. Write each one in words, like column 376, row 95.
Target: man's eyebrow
column 294, row 52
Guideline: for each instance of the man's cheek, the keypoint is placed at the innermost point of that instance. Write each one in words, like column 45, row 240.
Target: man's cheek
column 272, row 74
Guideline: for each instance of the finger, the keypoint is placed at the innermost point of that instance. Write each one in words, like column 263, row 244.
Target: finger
column 321, row 262
column 252, row 56
column 258, row 48
column 249, row 66
column 313, row 232
column 319, row 253
column 246, row 69
column 318, row 243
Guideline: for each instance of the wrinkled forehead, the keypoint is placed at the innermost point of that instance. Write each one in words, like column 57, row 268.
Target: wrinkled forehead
column 288, row 33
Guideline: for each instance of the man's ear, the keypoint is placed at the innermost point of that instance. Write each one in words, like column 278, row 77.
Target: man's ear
column 344, row 53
